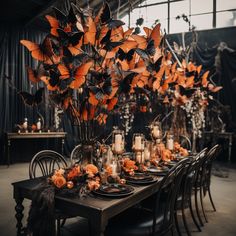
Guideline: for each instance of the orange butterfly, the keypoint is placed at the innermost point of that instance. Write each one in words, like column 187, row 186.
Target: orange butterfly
column 34, row 75
column 154, row 34
column 78, row 74
column 42, row 52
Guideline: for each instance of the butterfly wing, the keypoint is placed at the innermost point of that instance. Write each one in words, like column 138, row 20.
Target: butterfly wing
column 64, row 71
column 32, row 75
column 80, row 74
column 156, row 35
column 54, row 23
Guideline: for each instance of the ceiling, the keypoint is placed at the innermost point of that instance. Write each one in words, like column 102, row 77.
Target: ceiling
column 31, row 12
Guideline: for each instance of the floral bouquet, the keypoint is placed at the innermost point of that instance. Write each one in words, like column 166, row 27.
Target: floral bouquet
column 76, row 178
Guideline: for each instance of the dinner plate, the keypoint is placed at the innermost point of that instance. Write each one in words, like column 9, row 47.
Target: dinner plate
column 139, row 177
column 161, row 171
column 114, row 190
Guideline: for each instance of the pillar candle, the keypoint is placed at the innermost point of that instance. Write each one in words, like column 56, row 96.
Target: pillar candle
column 138, row 143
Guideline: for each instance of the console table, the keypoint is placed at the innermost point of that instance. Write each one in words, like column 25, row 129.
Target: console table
column 43, row 135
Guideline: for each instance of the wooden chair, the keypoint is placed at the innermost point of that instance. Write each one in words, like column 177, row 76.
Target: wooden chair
column 43, row 164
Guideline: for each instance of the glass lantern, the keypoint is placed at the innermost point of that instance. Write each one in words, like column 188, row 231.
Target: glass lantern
column 118, row 142
column 138, row 147
column 138, row 142
column 170, row 141
column 147, row 150
column 156, row 131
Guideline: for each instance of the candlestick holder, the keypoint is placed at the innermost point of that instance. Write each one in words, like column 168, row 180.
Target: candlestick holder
column 138, row 147
column 156, row 131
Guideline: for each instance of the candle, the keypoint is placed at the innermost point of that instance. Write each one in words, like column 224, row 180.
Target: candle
column 156, row 132
column 170, row 144
column 118, row 143
column 113, row 167
column 146, row 154
column 138, row 143
column 139, row 157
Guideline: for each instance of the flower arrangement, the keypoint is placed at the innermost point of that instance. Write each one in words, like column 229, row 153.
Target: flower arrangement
column 68, row 178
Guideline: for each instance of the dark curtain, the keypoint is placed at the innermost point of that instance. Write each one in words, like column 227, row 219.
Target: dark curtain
column 13, row 79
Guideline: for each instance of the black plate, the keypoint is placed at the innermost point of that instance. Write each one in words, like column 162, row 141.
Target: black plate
column 114, row 190
column 139, row 177
column 159, row 172
column 142, row 182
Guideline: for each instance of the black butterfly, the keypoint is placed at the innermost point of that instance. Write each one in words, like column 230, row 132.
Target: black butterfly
column 125, row 84
column 105, row 18
column 105, row 89
column 32, row 100
column 188, row 92
column 108, row 45
column 125, row 56
column 63, row 18
column 149, row 51
column 154, row 66
column 69, row 38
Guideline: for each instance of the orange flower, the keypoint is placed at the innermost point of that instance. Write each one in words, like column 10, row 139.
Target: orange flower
column 59, row 181
column 183, row 152
column 91, row 170
column 129, row 165
column 108, row 170
column 176, row 146
column 93, row 184
column 166, row 155
column 74, row 173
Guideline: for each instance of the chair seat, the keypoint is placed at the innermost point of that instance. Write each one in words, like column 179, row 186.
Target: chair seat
column 134, row 221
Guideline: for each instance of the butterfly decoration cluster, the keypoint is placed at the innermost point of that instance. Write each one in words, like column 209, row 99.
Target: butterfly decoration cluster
column 88, row 61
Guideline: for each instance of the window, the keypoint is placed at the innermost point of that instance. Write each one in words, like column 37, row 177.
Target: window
column 226, row 18
column 178, row 9
column 225, row 5
column 202, row 21
column 199, row 12
column 201, row 6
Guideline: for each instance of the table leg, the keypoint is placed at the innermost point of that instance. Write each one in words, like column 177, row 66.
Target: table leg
column 8, row 152
column 19, row 215
column 97, row 226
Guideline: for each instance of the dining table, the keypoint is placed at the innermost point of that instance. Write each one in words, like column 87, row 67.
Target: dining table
column 97, row 209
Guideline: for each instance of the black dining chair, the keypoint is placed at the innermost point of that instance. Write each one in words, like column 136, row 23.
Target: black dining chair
column 158, row 220
column 43, row 164
column 185, row 142
column 184, row 200
column 205, row 177
column 76, row 155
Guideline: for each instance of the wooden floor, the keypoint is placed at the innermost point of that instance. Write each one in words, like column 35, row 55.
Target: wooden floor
column 221, row 223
